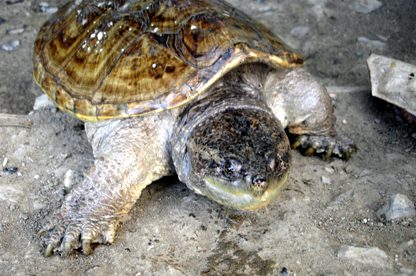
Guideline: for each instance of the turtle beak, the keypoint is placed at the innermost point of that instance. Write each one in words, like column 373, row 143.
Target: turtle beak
column 244, row 195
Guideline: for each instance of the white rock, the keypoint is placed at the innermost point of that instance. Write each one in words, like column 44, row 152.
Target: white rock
column 393, row 81
column 326, row 180
column 10, row 193
column 10, row 46
column 300, row 31
column 366, row 6
column 370, row 256
column 372, row 43
column 68, row 179
column 399, row 206
column 42, row 102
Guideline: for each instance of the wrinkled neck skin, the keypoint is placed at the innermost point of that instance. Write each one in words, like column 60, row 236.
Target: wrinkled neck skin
column 228, row 146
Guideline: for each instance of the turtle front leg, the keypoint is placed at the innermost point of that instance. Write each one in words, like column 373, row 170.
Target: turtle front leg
column 129, row 155
column 304, row 106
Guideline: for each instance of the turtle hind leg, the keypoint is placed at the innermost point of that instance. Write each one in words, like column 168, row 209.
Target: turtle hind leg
column 325, row 146
column 305, row 108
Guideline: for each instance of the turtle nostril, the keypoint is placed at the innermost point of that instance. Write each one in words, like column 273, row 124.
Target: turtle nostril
column 259, row 183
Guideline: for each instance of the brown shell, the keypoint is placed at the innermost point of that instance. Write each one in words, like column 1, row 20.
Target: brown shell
column 113, row 59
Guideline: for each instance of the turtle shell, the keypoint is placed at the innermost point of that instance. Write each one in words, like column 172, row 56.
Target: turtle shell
column 115, row 58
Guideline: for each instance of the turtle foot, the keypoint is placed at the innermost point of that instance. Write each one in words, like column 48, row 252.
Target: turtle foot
column 324, row 146
column 72, row 229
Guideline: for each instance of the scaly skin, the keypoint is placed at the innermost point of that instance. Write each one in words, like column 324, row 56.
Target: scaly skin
column 305, row 108
column 129, row 155
column 227, row 145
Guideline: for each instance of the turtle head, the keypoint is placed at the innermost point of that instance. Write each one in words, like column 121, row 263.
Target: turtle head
column 238, row 157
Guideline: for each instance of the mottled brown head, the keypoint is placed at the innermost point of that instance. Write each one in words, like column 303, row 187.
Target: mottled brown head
column 112, row 59
column 230, row 147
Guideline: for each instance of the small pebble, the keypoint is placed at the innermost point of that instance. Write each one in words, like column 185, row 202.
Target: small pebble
column 377, row 121
column 68, row 179
column 364, row 172
column 5, row 160
column 348, row 169
column 371, row 256
column 12, row 2
column 399, row 206
column 300, row 31
column 15, row 31
column 36, row 176
column 45, row 8
column 366, row 6
column 42, row 102
column 414, row 135
column 9, row 170
column 344, row 121
column 372, row 43
column 325, row 180
column 284, row 272
column 10, row 46
column 329, row 169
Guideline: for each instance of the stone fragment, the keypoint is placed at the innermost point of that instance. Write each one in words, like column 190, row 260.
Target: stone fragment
column 68, row 179
column 366, row 6
column 12, row 2
column 370, row 256
column 16, row 31
column 300, row 31
column 10, row 46
column 326, row 180
column 399, row 206
column 46, row 8
column 372, row 43
column 393, row 81
column 42, row 102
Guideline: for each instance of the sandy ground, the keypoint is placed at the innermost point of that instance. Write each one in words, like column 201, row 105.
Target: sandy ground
column 326, row 206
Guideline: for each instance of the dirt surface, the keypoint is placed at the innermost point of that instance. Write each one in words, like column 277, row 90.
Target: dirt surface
column 325, row 207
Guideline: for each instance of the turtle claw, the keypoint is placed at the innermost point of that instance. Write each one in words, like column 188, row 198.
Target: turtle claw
column 86, row 247
column 310, row 151
column 76, row 231
column 49, row 250
column 325, row 146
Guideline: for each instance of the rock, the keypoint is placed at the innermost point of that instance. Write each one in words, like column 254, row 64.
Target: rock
column 5, row 160
column 393, row 81
column 300, row 31
column 10, row 46
column 2, row 20
column 12, row 2
column 45, row 8
column 329, row 170
column 68, row 179
column 9, row 170
column 326, row 180
column 399, row 206
column 370, row 256
column 16, row 31
column 10, row 194
column 365, row 6
column 42, row 102
column 372, row 43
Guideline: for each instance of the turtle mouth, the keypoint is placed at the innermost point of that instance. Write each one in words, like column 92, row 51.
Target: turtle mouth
column 241, row 195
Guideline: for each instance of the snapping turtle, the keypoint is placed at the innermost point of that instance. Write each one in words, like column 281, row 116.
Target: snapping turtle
column 194, row 87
